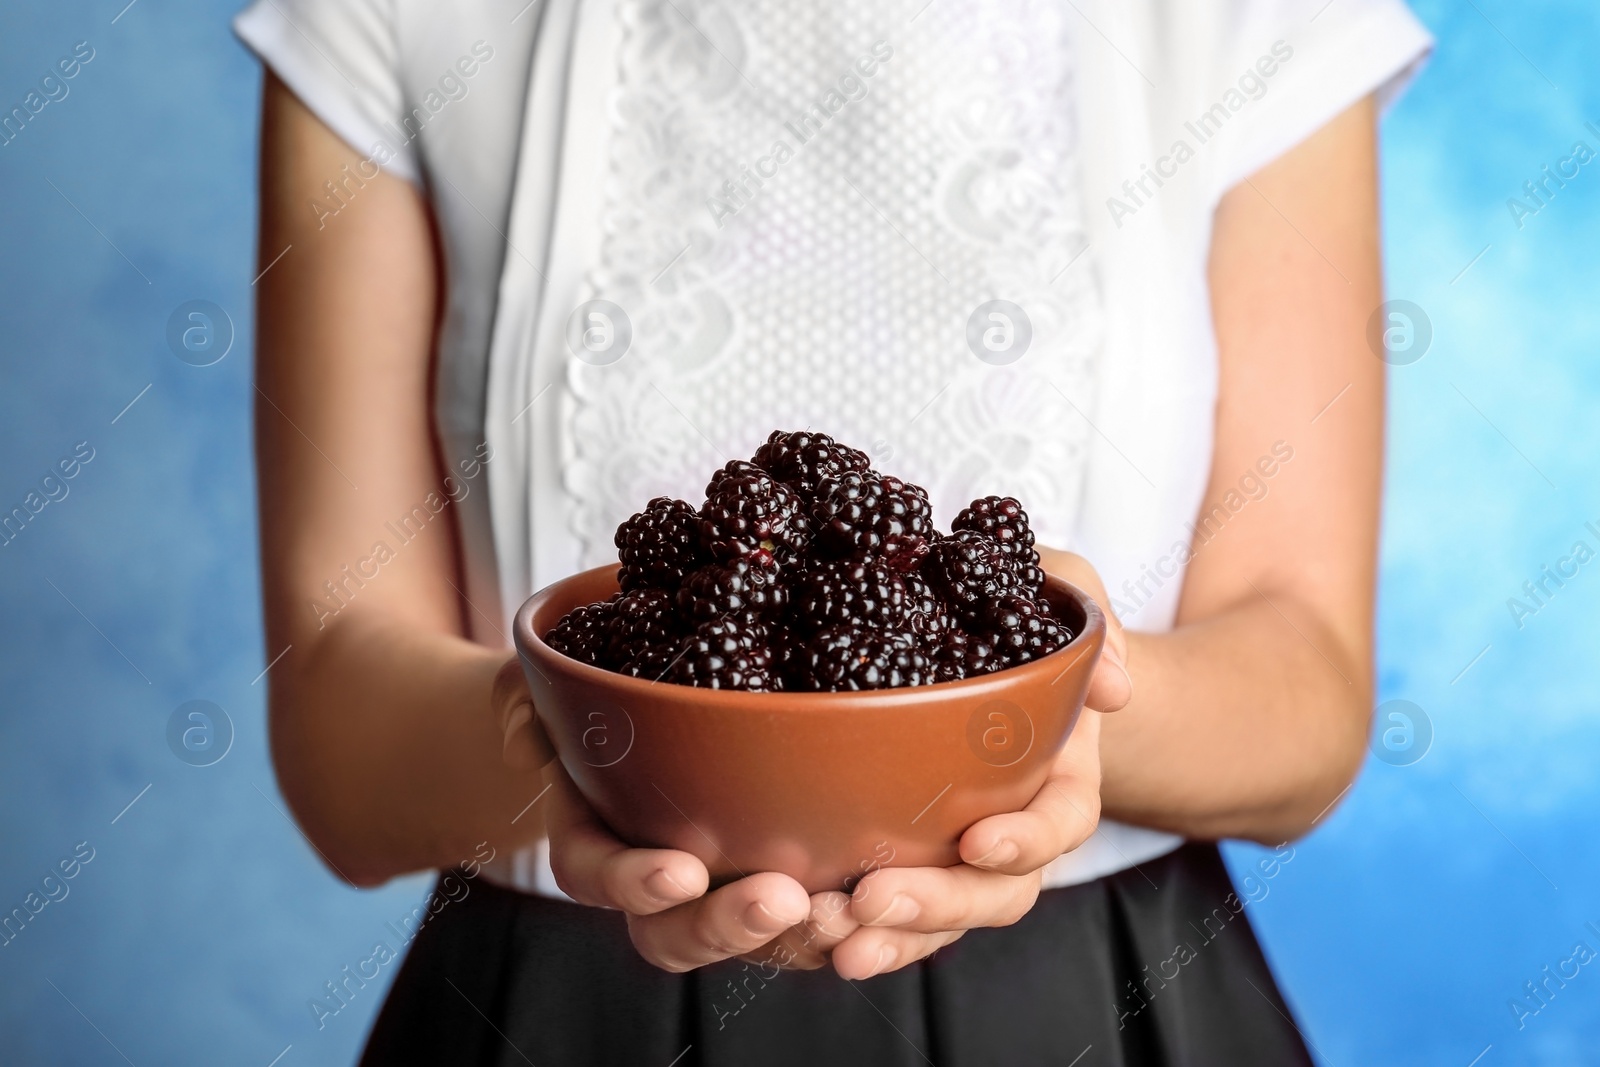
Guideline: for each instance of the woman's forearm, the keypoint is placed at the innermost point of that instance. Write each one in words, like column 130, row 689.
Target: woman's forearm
column 1250, row 718
column 387, row 751
column 383, row 735
column 1248, row 724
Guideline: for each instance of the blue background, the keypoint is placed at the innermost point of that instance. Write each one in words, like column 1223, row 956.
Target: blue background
column 204, row 924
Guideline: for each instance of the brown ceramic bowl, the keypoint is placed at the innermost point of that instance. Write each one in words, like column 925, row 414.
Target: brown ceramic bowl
column 820, row 786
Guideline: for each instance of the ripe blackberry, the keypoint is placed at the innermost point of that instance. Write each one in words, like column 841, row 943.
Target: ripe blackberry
column 860, row 591
column 1003, row 519
column 1030, row 580
column 956, row 654
column 861, row 511
column 747, row 510
column 787, row 645
column 645, row 635
column 801, row 459
column 1021, row 632
column 584, row 633
column 905, row 552
column 659, row 545
column 731, row 653
column 925, row 612
column 805, row 569
column 852, row 658
column 746, row 587
column 968, row 570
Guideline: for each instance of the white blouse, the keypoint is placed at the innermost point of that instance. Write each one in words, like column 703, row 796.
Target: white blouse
column 968, row 236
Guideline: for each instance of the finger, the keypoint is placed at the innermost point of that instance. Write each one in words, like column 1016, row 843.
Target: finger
column 1116, row 633
column 1059, row 818
column 593, row 867
column 736, row 919
column 830, row 923
column 934, row 899
column 1074, row 568
column 805, row 946
column 524, row 744
column 874, row 950
column 1110, row 686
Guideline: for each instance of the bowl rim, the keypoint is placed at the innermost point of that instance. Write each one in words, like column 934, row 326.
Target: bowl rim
column 532, row 649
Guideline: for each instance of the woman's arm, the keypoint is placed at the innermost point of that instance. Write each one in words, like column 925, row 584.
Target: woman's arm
column 380, row 732
column 399, row 743
column 1251, row 716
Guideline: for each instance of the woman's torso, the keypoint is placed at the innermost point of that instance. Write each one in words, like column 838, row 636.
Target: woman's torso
column 801, row 215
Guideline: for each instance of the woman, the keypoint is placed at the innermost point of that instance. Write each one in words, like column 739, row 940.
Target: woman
column 526, row 266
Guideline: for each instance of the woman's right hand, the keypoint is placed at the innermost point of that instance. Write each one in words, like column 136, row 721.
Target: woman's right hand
column 674, row 922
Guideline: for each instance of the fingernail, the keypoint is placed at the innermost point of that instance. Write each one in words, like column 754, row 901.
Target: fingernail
column 516, row 722
column 1127, row 678
column 1002, row 853
column 665, row 888
column 516, row 748
column 886, row 958
column 758, row 920
column 901, row 910
column 1115, row 655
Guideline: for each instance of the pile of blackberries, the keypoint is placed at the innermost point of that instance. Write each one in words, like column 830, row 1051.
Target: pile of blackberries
column 806, row 570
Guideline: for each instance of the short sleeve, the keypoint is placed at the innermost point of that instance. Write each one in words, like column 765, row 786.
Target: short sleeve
column 341, row 58
column 1285, row 68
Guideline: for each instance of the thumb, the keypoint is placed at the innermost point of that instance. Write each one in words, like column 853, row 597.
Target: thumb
column 1111, row 686
column 524, row 743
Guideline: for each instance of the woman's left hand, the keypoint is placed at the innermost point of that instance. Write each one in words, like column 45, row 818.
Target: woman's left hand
column 906, row 913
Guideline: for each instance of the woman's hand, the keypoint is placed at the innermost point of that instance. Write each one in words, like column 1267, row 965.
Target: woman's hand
column 1111, row 688
column 907, row 913
column 894, row 917
column 674, row 923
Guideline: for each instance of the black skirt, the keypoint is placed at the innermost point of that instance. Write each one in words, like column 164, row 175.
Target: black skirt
column 1154, row 965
